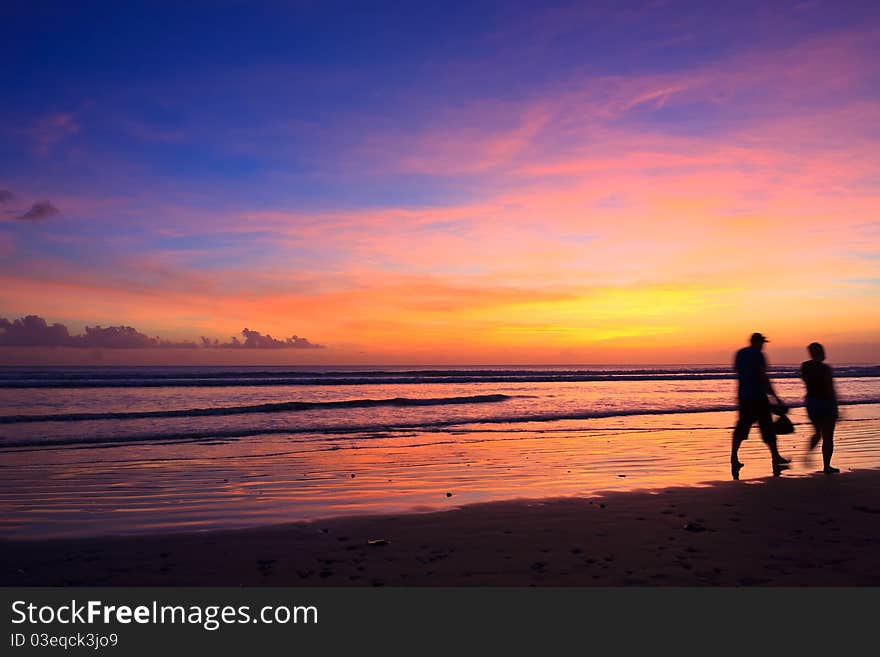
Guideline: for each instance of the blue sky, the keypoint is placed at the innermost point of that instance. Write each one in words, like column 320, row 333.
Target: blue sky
column 366, row 149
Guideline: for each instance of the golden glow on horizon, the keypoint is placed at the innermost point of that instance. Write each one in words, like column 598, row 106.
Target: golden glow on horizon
column 598, row 237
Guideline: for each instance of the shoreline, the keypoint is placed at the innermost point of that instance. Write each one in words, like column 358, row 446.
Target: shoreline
column 805, row 531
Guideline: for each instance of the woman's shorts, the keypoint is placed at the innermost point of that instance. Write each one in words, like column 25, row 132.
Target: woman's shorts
column 821, row 410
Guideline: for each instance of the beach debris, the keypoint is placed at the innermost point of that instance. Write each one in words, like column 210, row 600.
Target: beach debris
column 693, row 527
column 448, row 494
column 352, row 475
column 622, row 476
column 377, row 541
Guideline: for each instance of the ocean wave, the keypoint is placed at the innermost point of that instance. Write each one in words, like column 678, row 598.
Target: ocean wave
column 340, row 430
column 279, row 407
column 149, row 378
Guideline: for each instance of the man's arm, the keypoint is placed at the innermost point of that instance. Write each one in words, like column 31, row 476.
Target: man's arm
column 768, row 385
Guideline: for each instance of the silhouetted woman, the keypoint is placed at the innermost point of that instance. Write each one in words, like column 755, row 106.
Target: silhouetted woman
column 821, row 402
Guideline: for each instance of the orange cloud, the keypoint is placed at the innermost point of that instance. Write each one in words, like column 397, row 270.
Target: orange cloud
column 597, row 233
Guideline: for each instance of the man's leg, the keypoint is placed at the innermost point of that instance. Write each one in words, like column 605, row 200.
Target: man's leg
column 741, row 431
column 768, row 435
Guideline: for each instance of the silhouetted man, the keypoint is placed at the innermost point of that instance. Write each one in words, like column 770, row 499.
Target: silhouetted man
column 753, row 388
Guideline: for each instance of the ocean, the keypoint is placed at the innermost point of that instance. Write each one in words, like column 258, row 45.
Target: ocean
column 122, row 450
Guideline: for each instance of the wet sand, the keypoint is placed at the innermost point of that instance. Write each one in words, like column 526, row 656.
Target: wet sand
column 805, row 531
column 150, row 489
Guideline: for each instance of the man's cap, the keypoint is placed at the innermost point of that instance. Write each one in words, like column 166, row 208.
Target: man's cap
column 758, row 337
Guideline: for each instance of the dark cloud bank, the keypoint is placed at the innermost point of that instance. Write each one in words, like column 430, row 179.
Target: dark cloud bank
column 34, row 331
column 254, row 340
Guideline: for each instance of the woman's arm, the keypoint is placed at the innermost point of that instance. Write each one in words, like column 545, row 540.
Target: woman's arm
column 829, row 376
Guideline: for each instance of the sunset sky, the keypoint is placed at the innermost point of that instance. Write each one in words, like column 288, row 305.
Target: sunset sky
column 429, row 183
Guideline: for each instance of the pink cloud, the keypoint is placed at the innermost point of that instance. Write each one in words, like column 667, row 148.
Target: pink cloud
column 52, row 130
column 591, row 216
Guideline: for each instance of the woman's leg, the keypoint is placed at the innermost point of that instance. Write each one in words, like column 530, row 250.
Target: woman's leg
column 828, row 445
column 816, row 437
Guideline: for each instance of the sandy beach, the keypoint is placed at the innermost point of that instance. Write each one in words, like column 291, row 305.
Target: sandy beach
column 805, row 531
